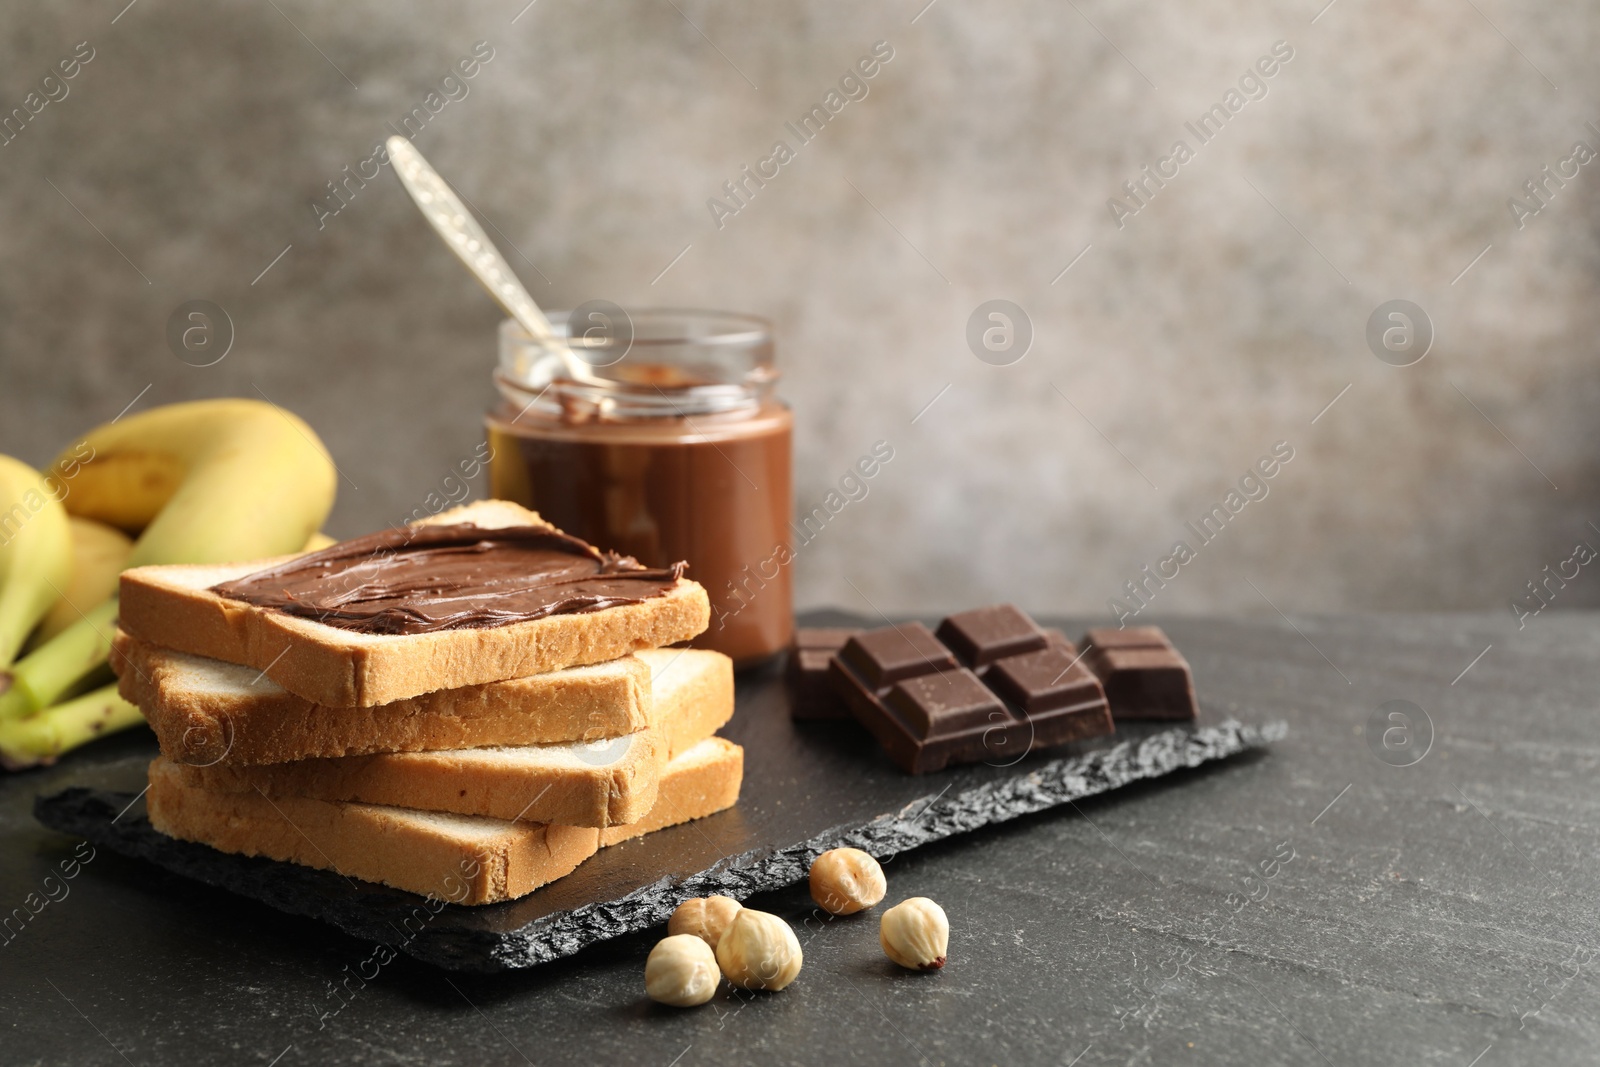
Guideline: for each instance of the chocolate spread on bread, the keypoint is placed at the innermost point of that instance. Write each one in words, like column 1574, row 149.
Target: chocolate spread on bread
column 422, row 579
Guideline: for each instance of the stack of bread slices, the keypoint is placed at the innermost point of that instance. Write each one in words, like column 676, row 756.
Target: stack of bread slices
column 471, row 764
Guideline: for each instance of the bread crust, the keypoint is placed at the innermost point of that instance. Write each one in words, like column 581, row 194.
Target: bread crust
column 489, row 782
column 263, row 723
column 452, row 858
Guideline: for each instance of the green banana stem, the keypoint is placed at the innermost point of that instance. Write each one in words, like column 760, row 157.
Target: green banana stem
column 39, row 739
column 39, row 679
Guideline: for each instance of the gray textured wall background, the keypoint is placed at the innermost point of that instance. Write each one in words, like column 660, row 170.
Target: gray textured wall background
column 1223, row 317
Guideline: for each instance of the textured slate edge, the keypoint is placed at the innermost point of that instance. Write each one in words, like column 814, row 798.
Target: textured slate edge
column 323, row 895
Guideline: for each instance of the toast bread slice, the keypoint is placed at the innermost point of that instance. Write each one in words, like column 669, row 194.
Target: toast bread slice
column 574, row 784
column 205, row 711
column 581, row 783
column 459, row 858
column 701, row 781
column 173, row 605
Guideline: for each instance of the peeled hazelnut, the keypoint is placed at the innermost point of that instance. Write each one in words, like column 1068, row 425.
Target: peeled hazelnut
column 705, row 917
column 915, row 934
column 759, row 951
column 847, row 880
column 681, row 971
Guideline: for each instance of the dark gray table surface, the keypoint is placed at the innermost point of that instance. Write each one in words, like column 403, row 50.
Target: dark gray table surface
column 1312, row 905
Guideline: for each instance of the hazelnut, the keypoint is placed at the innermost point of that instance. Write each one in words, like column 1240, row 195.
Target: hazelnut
column 847, row 880
column 915, row 934
column 681, row 971
column 759, row 951
column 705, row 917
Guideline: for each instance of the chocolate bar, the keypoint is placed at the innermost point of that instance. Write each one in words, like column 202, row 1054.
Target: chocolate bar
column 811, row 694
column 991, row 686
column 1143, row 675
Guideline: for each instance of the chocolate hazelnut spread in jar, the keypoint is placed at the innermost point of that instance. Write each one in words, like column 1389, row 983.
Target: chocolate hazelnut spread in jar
column 677, row 449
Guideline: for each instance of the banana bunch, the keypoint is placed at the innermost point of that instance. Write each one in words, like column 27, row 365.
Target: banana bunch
column 35, row 552
column 212, row 481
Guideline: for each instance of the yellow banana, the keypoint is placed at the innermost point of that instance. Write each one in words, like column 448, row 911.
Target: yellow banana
column 35, row 552
column 39, row 739
column 317, row 541
column 211, row 481
column 99, row 553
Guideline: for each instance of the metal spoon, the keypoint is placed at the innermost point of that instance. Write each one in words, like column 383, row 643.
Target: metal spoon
column 451, row 220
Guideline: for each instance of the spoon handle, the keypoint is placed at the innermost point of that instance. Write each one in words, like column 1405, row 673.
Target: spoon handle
column 441, row 207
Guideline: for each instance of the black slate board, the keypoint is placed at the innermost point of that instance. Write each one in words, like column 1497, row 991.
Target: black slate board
column 807, row 787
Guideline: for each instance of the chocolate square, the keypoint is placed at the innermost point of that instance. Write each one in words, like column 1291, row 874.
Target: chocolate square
column 1144, row 676
column 944, row 705
column 983, row 635
column 1046, row 680
column 883, row 657
column 811, row 695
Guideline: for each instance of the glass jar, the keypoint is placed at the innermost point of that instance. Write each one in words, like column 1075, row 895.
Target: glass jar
column 675, row 449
